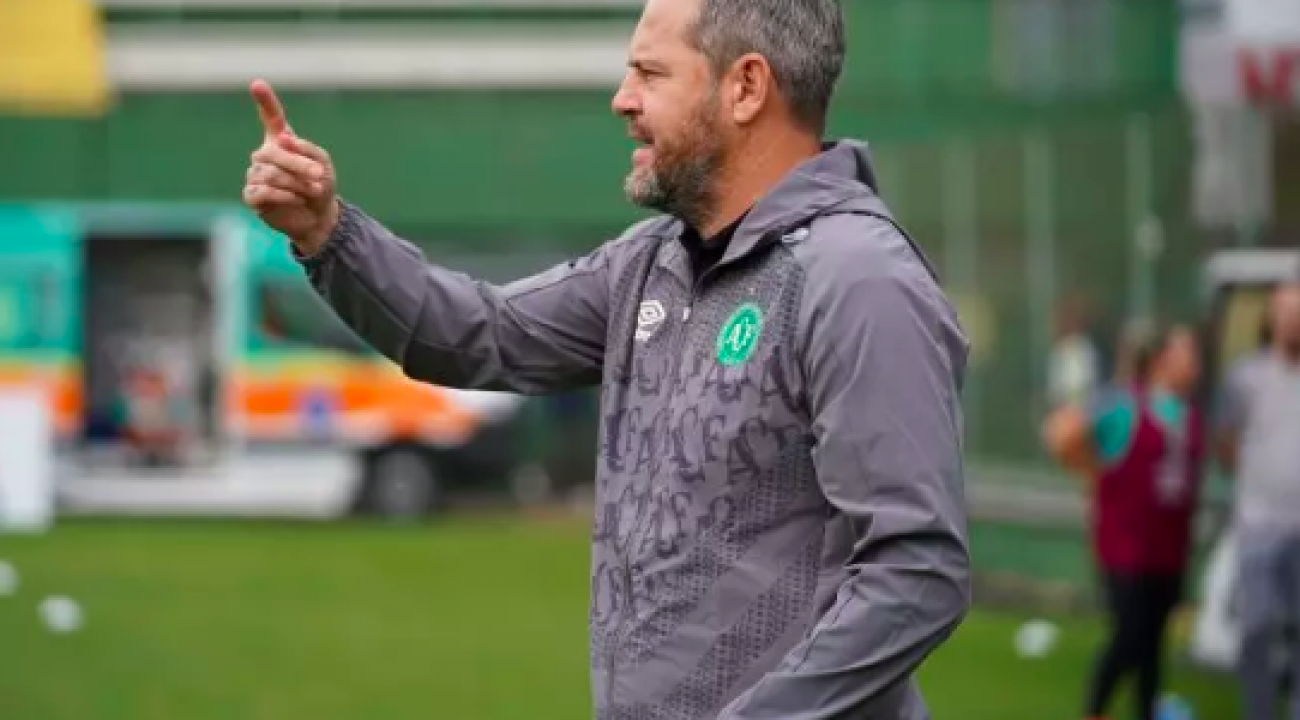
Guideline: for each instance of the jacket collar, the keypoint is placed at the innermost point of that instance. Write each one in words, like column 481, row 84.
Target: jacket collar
column 838, row 179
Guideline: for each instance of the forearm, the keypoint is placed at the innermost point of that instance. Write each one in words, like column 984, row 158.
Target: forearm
column 888, row 617
column 447, row 328
column 1065, row 435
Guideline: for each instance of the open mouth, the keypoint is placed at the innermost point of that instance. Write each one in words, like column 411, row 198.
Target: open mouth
column 640, row 137
column 643, row 153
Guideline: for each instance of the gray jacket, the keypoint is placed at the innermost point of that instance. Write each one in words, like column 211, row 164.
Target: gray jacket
column 1260, row 405
column 780, row 527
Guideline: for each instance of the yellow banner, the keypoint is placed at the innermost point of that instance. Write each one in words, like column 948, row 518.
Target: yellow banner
column 52, row 57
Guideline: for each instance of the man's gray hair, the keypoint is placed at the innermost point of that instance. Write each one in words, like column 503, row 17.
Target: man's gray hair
column 802, row 40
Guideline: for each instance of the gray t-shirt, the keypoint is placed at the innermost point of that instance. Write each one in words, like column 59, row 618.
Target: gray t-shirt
column 1262, row 400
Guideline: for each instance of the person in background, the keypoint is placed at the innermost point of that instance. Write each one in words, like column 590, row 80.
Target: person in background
column 150, row 415
column 1074, row 368
column 1139, row 444
column 1259, row 445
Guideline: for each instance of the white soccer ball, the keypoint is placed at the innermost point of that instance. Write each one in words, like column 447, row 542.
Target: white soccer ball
column 1036, row 638
column 61, row 614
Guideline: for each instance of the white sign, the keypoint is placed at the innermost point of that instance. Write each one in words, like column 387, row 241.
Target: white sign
column 26, row 461
column 1263, row 22
column 1217, row 68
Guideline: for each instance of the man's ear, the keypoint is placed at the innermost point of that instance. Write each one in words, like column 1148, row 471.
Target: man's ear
column 751, row 85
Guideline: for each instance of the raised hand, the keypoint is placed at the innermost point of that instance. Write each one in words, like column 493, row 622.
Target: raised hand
column 290, row 181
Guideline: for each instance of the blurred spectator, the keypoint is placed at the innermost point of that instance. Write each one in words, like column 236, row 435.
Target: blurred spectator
column 1074, row 368
column 152, row 416
column 1131, row 345
column 1140, row 445
column 1260, row 446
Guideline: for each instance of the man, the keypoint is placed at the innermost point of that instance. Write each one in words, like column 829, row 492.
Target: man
column 780, row 525
column 1262, row 449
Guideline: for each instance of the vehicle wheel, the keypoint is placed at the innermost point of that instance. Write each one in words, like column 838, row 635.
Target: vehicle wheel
column 402, row 484
column 492, row 458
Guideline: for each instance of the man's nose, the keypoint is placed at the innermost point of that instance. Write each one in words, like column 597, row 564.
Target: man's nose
column 625, row 102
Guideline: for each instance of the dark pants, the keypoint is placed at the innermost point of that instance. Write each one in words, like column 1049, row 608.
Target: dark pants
column 1139, row 605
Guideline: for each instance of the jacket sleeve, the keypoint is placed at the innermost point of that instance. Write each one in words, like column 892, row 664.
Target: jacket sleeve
column 883, row 359
column 540, row 334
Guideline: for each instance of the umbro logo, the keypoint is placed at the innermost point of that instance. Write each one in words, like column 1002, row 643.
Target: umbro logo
column 649, row 319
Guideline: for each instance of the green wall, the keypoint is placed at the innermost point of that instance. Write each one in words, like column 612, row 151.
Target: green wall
column 546, row 167
column 445, row 164
column 540, row 172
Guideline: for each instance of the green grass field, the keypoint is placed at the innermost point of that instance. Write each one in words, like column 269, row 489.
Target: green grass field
column 480, row 619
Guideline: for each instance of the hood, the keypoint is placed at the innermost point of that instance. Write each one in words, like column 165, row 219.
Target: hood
column 839, row 179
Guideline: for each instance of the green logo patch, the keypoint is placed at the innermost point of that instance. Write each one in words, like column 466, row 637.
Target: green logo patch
column 739, row 335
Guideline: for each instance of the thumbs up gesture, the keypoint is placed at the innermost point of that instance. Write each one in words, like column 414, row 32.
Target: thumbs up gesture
column 290, row 181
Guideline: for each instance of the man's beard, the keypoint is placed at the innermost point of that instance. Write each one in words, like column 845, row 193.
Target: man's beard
column 680, row 180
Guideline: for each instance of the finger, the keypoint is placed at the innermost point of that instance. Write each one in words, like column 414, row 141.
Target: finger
column 302, row 146
column 263, row 197
column 298, row 165
column 272, row 176
column 269, row 109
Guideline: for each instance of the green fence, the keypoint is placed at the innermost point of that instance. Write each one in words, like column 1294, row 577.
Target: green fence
column 1035, row 148
column 1020, row 221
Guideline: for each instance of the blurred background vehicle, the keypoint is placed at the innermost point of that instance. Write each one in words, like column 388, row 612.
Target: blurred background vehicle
column 195, row 371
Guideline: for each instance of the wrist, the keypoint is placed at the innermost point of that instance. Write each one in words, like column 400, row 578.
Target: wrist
column 310, row 244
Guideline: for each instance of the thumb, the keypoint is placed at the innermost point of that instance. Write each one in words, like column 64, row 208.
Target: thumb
column 269, row 109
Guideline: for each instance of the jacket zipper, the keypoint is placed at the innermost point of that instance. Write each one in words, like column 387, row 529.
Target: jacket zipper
column 611, row 663
column 623, row 631
column 680, row 345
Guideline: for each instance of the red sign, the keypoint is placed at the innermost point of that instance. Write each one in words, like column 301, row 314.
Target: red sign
column 1270, row 76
